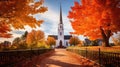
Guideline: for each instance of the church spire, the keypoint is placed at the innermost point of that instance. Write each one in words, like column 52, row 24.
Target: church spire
column 61, row 22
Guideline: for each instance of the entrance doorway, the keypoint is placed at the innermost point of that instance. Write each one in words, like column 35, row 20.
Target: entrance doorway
column 60, row 44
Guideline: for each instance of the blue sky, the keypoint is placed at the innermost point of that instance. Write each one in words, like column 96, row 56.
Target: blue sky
column 51, row 17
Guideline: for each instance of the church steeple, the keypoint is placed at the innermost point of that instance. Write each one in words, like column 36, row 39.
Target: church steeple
column 61, row 22
column 60, row 31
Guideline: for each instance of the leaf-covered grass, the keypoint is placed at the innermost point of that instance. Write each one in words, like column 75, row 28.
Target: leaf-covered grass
column 115, row 49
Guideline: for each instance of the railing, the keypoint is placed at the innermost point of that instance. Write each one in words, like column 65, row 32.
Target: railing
column 10, row 58
column 105, row 59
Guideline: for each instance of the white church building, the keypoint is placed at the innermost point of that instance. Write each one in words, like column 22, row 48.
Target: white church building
column 62, row 40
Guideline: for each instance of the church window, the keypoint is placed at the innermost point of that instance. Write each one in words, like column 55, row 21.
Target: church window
column 66, row 43
column 60, row 26
column 60, row 33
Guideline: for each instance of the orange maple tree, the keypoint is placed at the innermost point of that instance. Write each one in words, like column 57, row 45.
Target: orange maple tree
column 19, row 13
column 74, row 41
column 34, row 37
column 96, row 18
column 51, row 41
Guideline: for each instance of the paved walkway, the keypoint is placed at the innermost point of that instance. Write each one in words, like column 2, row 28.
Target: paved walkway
column 60, row 58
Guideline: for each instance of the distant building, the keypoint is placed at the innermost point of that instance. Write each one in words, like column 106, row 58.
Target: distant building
column 61, row 39
column 88, row 42
column 99, row 41
column 6, row 44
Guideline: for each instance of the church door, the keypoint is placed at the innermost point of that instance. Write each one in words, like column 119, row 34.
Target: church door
column 60, row 44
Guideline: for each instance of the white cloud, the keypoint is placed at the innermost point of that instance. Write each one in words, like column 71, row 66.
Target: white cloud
column 51, row 20
column 10, row 39
column 67, row 25
column 16, row 33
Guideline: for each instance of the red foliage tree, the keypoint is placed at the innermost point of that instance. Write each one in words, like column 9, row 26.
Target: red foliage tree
column 96, row 18
column 4, row 29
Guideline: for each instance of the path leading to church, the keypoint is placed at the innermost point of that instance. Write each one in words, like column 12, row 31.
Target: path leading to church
column 60, row 58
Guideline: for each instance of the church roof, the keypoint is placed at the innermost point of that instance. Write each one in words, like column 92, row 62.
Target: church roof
column 54, row 36
column 66, row 37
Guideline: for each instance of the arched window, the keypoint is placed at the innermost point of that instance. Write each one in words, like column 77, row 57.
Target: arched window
column 60, row 26
column 60, row 33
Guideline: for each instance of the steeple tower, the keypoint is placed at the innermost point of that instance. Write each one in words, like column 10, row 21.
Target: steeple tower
column 60, row 42
column 61, row 21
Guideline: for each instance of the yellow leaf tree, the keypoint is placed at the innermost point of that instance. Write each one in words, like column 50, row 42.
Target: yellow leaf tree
column 74, row 40
column 34, row 37
column 51, row 41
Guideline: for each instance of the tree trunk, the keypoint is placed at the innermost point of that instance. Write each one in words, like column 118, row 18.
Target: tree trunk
column 105, row 42
column 106, row 35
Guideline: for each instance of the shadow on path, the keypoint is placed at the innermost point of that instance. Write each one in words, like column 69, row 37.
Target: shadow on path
column 58, row 58
column 56, row 63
